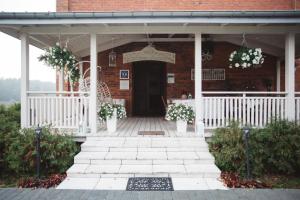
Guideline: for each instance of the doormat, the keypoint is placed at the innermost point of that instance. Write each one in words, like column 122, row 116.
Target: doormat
column 149, row 184
column 151, row 133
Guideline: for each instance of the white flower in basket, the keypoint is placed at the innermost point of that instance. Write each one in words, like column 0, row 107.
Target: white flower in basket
column 182, row 114
column 111, row 113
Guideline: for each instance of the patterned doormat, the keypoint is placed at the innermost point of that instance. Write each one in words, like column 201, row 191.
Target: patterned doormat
column 151, row 133
column 149, row 184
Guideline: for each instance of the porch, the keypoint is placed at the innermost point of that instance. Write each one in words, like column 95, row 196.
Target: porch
column 214, row 106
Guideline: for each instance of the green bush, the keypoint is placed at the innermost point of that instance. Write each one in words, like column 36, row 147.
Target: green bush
column 9, row 125
column 273, row 149
column 57, row 152
column 227, row 146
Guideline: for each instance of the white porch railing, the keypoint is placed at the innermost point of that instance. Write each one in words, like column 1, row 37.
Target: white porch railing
column 297, row 105
column 59, row 109
column 249, row 108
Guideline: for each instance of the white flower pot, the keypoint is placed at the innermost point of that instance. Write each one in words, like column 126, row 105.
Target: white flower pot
column 181, row 126
column 111, row 124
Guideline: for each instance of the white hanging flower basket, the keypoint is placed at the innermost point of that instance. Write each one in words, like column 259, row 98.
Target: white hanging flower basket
column 246, row 57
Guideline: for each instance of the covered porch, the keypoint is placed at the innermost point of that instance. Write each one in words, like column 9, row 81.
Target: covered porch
column 90, row 38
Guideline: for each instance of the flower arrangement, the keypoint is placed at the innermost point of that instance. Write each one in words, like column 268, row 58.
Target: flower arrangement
column 61, row 58
column 107, row 110
column 246, row 57
column 180, row 112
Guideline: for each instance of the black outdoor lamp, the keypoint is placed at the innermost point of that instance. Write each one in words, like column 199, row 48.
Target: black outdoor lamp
column 246, row 134
column 38, row 132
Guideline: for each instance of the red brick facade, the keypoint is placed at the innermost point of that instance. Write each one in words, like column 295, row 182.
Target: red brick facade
column 236, row 79
column 174, row 5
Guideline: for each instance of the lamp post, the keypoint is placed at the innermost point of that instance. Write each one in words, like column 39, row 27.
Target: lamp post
column 246, row 133
column 38, row 132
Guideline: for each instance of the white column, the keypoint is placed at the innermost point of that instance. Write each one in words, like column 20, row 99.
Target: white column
column 278, row 82
column 198, row 85
column 290, row 75
column 93, row 84
column 24, row 78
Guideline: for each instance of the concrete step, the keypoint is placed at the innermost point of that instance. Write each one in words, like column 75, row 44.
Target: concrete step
column 145, row 142
column 143, row 156
column 119, row 170
column 95, row 148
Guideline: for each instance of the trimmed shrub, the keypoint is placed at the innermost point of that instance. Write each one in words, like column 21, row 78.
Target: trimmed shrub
column 227, row 147
column 57, row 152
column 273, row 149
column 9, row 125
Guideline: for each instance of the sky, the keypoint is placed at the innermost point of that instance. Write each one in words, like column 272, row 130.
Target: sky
column 10, row 48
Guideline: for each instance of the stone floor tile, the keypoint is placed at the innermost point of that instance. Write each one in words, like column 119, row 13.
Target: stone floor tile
column 169, row 169
column 123, row 149
column 102, row 169
column 136, row 169
column 215, row 184
column 182, row 155
column 112, row 184
column 121, row 155
column 136, row 162
column 77, row 168
column 190, row 184
column 151, row 155
column 168, row 162
column 79, row 183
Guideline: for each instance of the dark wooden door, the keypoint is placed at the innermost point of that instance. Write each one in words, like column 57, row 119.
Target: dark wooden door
column 149, row 82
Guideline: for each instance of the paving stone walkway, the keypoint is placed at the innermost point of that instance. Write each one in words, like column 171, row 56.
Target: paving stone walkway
column 236, row 194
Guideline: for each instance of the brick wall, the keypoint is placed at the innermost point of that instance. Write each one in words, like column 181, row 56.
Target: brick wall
column 154, row 5
column 236, row 79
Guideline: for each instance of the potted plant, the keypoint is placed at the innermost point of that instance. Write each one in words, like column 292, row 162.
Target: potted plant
column 111, row 113
column 182, row 114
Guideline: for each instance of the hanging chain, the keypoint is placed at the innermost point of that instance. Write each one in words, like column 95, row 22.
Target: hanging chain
column 244, row 42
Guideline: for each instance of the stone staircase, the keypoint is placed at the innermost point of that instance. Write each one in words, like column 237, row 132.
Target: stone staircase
column 123, row 157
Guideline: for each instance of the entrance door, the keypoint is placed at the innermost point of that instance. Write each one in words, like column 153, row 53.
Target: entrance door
column 149, row 82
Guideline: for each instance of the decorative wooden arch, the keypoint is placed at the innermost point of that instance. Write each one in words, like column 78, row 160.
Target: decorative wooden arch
column 149, row 53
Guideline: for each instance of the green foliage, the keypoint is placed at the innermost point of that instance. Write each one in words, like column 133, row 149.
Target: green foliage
column 227, row 147
column 9, row 125
column 273, row 149
column 57, row 152
column 61, row 58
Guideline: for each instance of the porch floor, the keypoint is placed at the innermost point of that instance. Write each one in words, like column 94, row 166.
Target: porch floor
column 130, row 127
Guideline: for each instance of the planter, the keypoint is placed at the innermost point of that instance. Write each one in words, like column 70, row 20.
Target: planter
column 181, row 126
column 111, row 123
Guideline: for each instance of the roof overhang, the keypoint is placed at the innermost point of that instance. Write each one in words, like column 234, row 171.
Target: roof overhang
column 214, row 17
column 44, row 28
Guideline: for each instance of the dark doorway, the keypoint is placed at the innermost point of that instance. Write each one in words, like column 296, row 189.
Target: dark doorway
column 149, row 84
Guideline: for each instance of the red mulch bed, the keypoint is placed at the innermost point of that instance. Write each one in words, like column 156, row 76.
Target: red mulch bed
column 232, row 180
column 48, row 182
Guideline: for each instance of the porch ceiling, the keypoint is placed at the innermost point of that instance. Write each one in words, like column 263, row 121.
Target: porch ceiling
column 264, row 29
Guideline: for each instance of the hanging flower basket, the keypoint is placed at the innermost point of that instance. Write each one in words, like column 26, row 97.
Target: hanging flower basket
column 246, row 57
column 61, row 58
